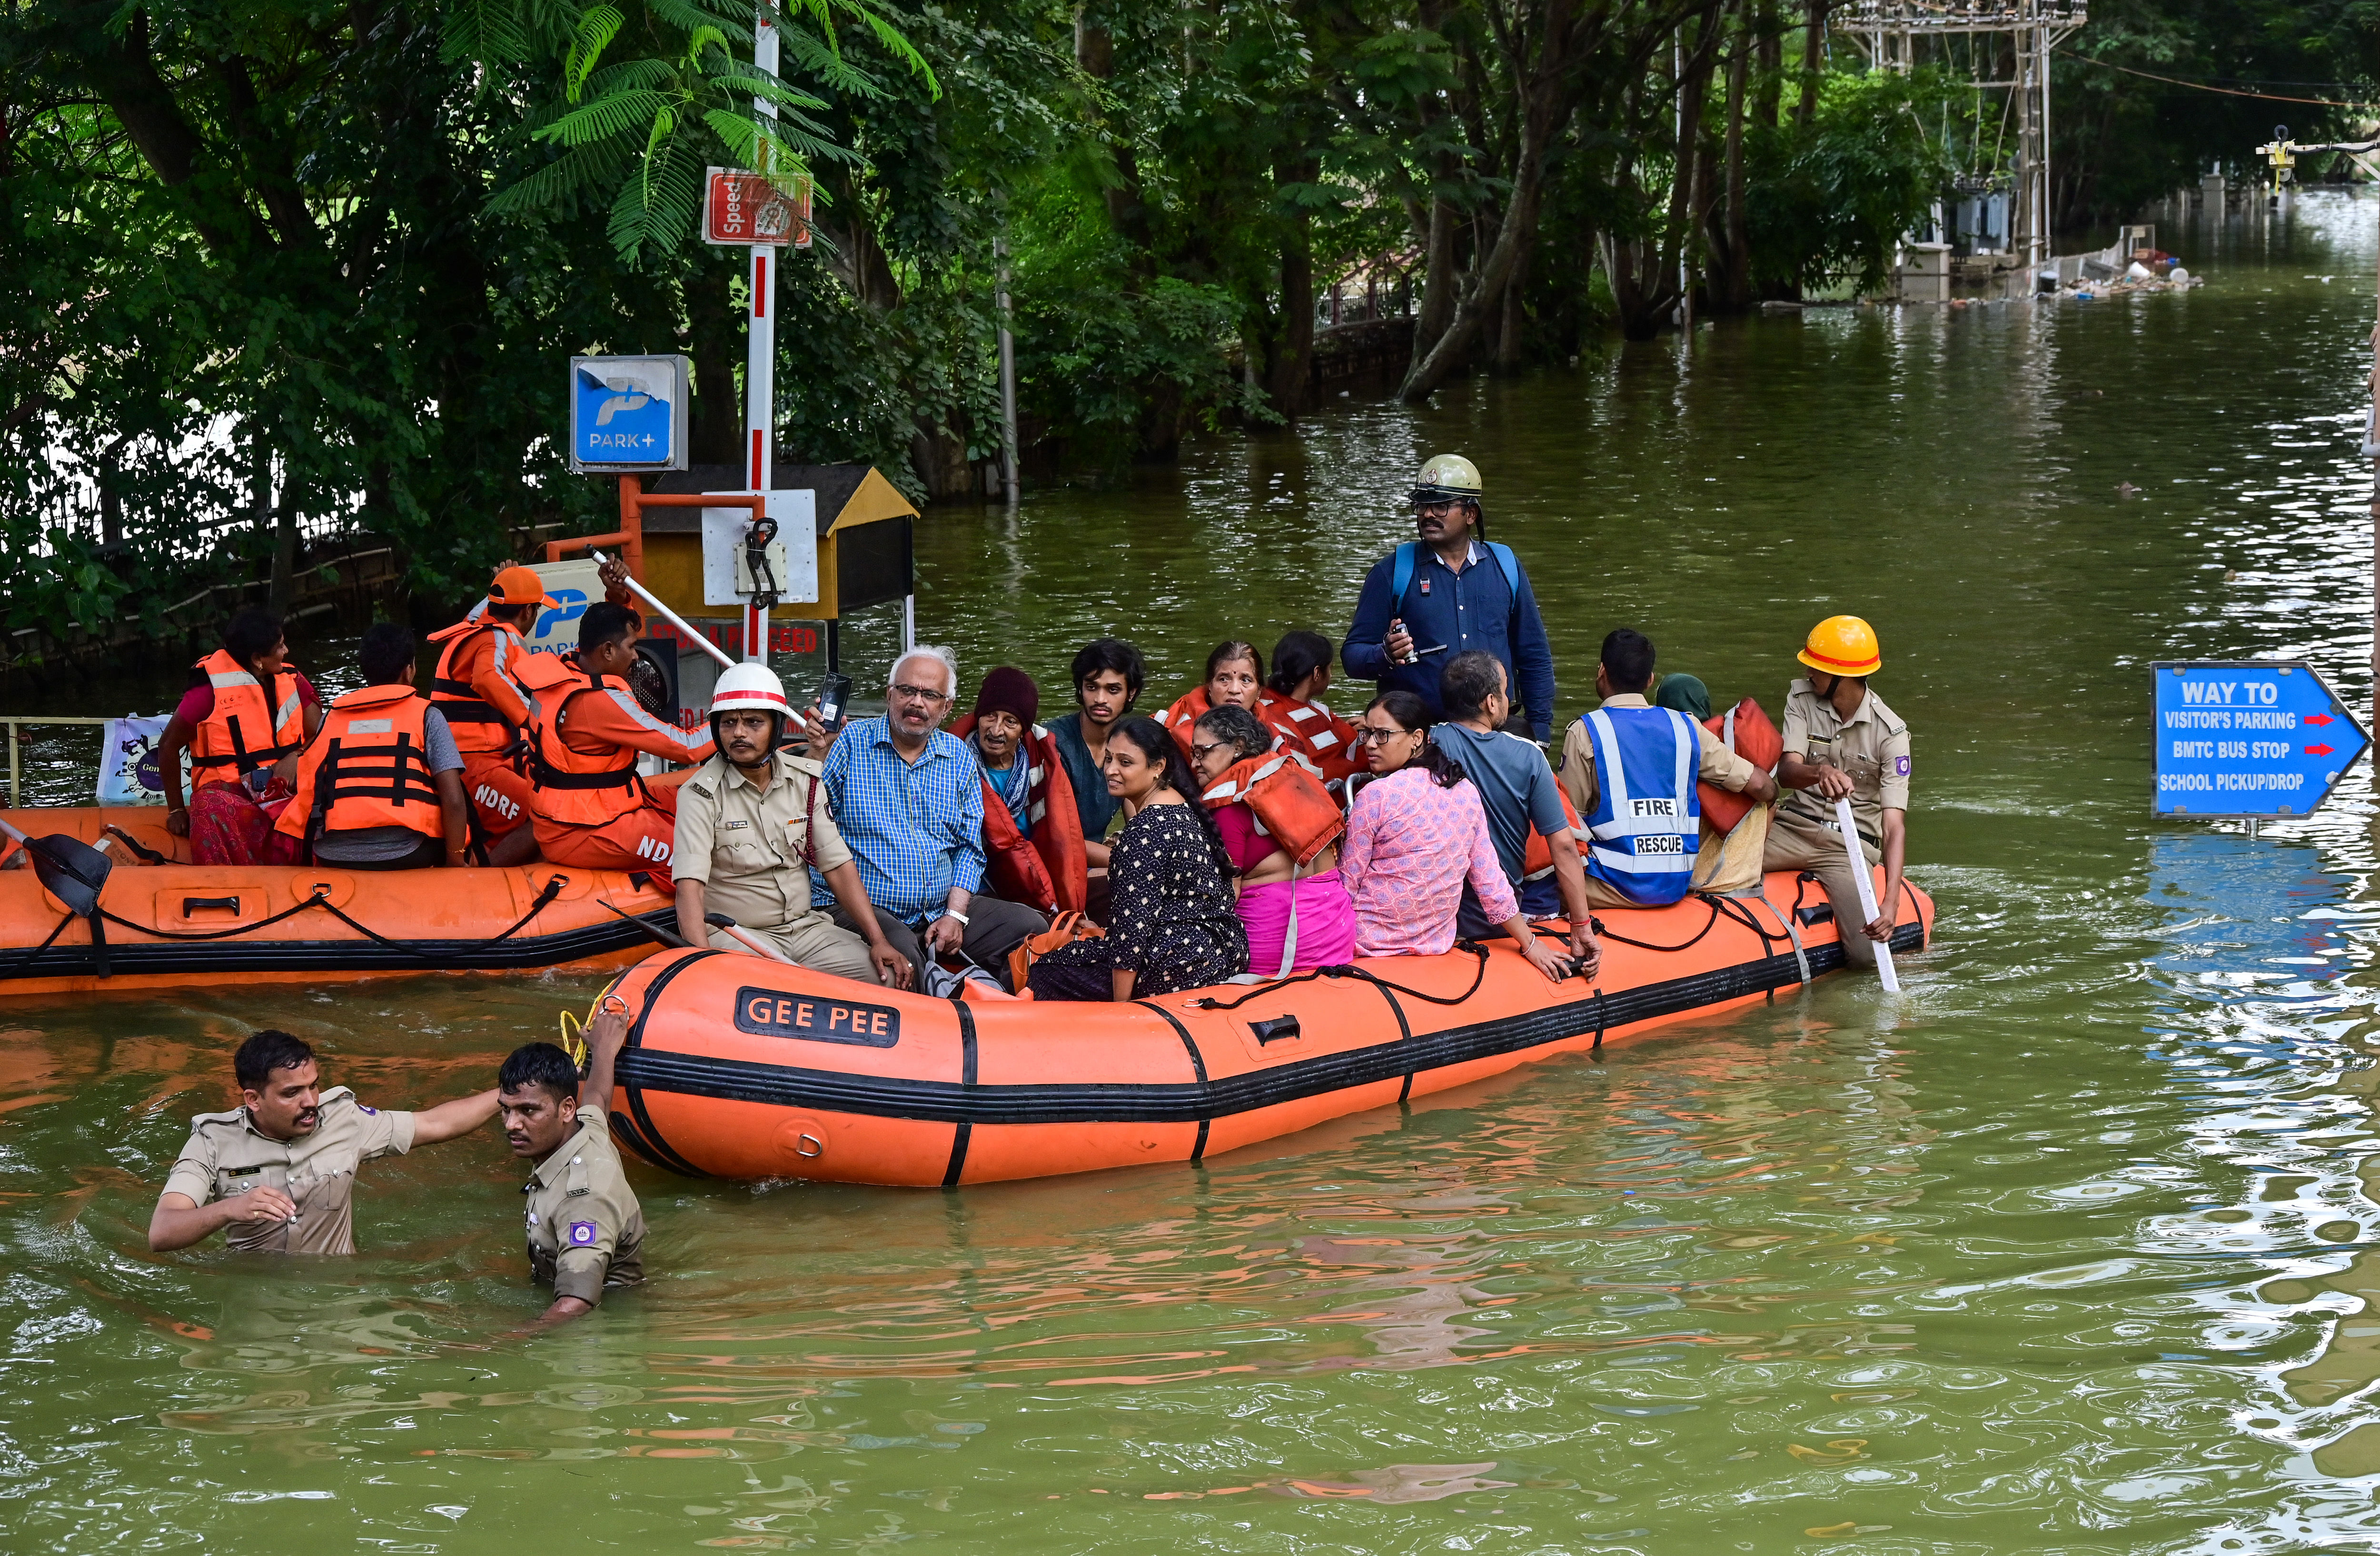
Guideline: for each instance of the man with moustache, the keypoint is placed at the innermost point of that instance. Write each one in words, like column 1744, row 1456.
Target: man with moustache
column 280, row 1170
column 1448, row 592
column 585, row 1230
column 751, row 823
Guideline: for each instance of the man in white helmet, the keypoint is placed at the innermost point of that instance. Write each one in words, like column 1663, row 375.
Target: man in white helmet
column 1447, row 592
column 752, row 821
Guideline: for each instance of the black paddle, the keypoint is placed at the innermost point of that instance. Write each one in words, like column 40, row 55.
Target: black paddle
column 663, row 936
column 72, row 870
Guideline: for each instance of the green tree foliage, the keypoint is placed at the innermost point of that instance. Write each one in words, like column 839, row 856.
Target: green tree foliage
column 2123, row 139
column 280, row 267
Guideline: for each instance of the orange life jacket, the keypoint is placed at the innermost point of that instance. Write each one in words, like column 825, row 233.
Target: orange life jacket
column 476, row 723
column 572, row 788
column 251, row 726
column 1184, row 716
column 1314, row 732
column 1291, row 804
column 368, row 766
column 1045, row 868
column 1747, row 731
column 1539, row 857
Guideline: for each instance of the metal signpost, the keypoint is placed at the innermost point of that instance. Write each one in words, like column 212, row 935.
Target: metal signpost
column 2249, row 739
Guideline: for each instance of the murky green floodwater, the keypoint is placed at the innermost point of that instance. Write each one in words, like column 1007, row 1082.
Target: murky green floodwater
column 2061, row 1250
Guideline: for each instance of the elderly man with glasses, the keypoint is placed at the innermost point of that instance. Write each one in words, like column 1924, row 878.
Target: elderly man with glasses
column 908, row 798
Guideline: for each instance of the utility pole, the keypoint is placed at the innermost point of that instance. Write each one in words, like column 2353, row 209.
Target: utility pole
column 760, row 339
column 1007, row 372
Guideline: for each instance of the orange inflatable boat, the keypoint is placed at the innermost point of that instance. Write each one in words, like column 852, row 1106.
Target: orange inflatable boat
column 737, row 1067
column 176, row 923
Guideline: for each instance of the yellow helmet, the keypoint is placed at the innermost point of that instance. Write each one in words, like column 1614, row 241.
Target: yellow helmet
column 1449, row 477
column 1842, row 646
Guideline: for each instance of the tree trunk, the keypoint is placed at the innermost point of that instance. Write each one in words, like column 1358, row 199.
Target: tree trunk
column 1289, row 373
column 1814, row 57
column 285, row 557
column 1513, row 335
column 1736, row 284
column 1542, row 109
column 1767, row 67
column 1095, row 56
column 1439, row 281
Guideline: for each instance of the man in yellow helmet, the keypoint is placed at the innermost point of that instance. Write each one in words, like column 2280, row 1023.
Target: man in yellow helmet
column 1841, row 740
column 1446, row 592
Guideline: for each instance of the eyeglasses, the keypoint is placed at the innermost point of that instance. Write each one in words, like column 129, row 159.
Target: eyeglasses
column 918, row 693
column 1372, row 735
column 1199, row 753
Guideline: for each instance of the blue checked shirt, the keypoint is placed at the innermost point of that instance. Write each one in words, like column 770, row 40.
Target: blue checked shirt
column 916, row 830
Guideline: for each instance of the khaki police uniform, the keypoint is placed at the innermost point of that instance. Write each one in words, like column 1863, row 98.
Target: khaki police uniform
column 586, row 1231
column 1872, row 747
column 752, row 852
column 1714, row 764
column 226, row 1157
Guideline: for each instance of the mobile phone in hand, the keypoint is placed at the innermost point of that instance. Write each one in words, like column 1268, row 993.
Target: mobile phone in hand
column 833, row 693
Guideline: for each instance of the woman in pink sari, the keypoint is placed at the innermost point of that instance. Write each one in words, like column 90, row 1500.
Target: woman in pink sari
column 1275, row 895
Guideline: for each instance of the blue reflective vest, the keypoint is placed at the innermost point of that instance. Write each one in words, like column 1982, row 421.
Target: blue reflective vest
column 1646, row 824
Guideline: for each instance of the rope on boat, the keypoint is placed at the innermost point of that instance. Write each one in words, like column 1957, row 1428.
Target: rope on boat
column 320, row 898
column 1478, row 976
column 26, row 958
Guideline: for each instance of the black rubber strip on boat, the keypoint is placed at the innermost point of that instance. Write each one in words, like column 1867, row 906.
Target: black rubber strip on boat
column 1202, row 1101
column 966, row 1078
column 424, row 956
column 1197, row 1067
column 1404, row 1031
column 660, row 1154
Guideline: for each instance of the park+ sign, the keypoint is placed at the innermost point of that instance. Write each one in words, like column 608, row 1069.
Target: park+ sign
column 741, row 208
column 628, row 413
column 2248, row 738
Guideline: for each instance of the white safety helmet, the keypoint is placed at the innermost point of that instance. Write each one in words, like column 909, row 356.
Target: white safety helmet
column 750, row 686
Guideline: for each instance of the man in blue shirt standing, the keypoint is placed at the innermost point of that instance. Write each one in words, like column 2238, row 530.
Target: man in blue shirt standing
column 1450, row 591
column 907, row 797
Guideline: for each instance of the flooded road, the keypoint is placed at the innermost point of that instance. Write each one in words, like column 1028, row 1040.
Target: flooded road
column 2067, row 1247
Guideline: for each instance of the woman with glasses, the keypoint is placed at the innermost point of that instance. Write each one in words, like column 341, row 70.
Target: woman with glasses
column 1169, row 925
column 1278, row 899
column 1414, row 834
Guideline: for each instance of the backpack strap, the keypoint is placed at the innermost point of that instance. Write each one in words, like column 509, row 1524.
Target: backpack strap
column 1400, row 576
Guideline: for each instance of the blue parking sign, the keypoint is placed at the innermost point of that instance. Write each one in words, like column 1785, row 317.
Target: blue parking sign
column 2248, row 739
column 628, row 413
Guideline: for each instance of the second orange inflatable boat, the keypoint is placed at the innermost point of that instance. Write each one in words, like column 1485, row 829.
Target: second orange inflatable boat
column 741, row 1068
column 178, row 924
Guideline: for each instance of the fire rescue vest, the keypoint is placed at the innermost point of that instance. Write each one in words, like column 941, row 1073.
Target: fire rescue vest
column 1287, row 797
column 1314, row 732
column 1646, row 826
column 251, row 726
column 1042, row 866
column 1745, row 729
column 368, row 766
column 477, row 723
column 573, row 789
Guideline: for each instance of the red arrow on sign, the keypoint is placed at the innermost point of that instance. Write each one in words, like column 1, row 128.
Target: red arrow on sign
column 2317, row 751
column 2317, row 718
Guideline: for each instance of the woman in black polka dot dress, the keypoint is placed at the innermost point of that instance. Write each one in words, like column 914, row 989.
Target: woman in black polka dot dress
column 1170, row 924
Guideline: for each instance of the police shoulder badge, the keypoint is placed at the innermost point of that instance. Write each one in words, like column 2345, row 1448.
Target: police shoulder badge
column 1900, row 767
column 582, row 1234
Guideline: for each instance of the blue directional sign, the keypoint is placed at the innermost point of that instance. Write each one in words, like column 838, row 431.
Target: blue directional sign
column 2248, row 739
column 628, row 413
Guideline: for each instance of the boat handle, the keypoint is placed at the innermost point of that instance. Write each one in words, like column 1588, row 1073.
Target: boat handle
column 1278, row 1027
column 202, row 905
